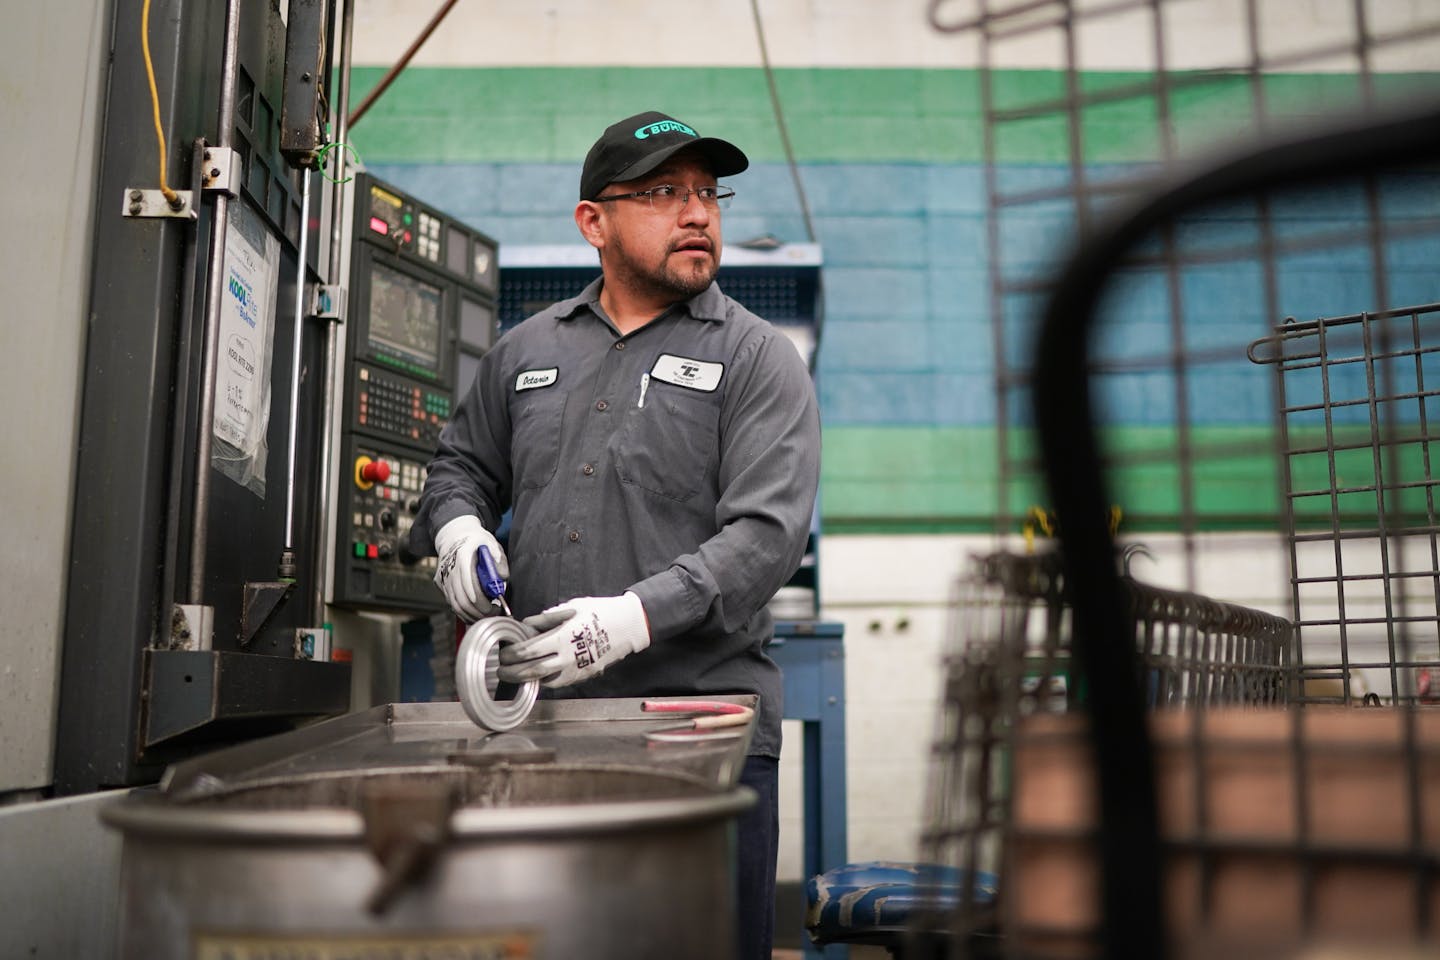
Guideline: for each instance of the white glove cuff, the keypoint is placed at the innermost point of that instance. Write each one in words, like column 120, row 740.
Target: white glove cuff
column 455, row 531
column 631, row 628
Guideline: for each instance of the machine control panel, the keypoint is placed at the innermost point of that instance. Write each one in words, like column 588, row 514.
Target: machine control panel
column 382, row 496
column 418, row 280
column 397, row 408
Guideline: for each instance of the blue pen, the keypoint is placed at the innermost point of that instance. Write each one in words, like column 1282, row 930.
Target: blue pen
column 491, row 582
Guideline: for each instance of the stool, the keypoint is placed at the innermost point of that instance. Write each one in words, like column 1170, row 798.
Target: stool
column 873, row 903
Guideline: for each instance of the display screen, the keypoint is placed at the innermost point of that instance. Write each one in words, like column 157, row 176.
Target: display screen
column 477, row 323
column 404, row 317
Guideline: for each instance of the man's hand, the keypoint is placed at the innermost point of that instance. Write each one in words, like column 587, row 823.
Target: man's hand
column 577, row 640
column 457, row 543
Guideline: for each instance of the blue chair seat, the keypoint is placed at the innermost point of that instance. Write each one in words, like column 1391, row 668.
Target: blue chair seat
column 874, row 902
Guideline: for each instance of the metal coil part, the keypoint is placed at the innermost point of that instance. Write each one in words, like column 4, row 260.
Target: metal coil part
column 476, row 666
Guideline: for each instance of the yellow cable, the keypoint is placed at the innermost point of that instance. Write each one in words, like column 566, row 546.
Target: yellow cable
column 169, row 194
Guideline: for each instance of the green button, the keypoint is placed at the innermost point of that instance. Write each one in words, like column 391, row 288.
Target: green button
column 359, row 549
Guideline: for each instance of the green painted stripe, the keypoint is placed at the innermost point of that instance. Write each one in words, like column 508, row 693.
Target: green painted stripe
column 894, row 479
column 553, row 114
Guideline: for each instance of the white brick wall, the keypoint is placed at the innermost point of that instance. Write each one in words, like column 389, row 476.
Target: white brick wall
column 848, row 33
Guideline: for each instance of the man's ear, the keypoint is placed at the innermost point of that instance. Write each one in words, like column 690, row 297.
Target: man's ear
column 588, row 218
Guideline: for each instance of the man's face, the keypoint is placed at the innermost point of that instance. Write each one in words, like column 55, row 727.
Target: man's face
column 673, row 255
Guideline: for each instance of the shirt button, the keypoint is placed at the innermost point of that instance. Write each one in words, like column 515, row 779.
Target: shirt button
column 601, row 405
column 574, row 536
column 620, row 345
column 588, row 469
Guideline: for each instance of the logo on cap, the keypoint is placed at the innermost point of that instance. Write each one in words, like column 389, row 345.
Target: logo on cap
column 664, row 126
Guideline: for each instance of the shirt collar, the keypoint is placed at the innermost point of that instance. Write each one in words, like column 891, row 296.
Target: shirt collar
column 708, row 304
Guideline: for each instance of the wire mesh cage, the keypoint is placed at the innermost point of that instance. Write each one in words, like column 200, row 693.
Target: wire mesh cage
column 1357, row 400
column 1010, row 713
column 1229, row 749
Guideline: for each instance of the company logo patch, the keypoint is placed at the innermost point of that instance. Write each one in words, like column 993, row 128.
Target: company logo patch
column 664, row 126
column 534, row 379
column 684, row 372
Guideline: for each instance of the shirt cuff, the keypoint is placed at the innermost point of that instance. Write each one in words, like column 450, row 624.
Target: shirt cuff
column 669, row 607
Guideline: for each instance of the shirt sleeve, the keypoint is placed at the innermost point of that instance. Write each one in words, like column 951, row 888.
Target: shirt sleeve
column 470, row 472
column 768, row 474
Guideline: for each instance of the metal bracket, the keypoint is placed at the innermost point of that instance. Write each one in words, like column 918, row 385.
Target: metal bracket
column 192, row 627
column 140, row 202
column 262, row 599
column 220, row 170
column 406, row 826
column 328, row 302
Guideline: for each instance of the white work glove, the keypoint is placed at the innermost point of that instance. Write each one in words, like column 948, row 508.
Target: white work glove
column 457, row 543
column 577, row 640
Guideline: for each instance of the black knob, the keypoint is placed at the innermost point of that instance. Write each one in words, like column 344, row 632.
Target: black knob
column 385, row 550
column 387, row 519
column 413, row 504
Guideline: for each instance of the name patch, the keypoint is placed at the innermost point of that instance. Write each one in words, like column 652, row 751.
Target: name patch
column 534, row 379
column 692, row 374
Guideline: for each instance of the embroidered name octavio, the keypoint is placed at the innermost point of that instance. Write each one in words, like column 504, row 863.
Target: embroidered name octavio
column 534, row 379
column 693, row 374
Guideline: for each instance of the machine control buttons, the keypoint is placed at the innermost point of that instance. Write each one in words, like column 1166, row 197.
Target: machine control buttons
column 375, row 545
column 428, row 245
column 399, row 408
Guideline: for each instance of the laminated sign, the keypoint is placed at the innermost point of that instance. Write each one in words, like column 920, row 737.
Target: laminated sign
column 242, row 371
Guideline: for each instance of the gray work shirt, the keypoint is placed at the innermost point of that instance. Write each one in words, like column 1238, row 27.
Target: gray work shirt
column 680, row 462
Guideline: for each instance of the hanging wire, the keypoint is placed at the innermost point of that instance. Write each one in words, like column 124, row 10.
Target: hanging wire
column 780, row 122
column 169, row 194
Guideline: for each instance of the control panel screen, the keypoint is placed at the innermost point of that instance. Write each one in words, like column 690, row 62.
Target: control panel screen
column 404, row 318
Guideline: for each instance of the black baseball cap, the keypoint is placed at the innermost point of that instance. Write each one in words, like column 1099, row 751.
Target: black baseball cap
column 633, row 147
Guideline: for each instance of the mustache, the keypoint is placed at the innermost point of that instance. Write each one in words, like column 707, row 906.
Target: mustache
column 693, row 242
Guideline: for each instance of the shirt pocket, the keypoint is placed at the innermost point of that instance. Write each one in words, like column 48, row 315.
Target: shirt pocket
column 668, row 446
column 536, row 421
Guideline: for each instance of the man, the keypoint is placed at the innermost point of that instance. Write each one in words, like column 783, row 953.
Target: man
column 659, row 446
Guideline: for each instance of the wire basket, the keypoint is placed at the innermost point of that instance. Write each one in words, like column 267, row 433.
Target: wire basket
column 1187, row 766
column 1008, row 717
column 1358, row 400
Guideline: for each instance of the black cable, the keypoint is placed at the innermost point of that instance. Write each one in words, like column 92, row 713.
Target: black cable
column 780, row 122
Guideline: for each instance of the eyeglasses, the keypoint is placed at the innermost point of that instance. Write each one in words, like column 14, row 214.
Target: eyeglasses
column 670, row 199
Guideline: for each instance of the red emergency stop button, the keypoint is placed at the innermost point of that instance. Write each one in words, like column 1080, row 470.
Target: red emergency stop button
column 369, row 472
